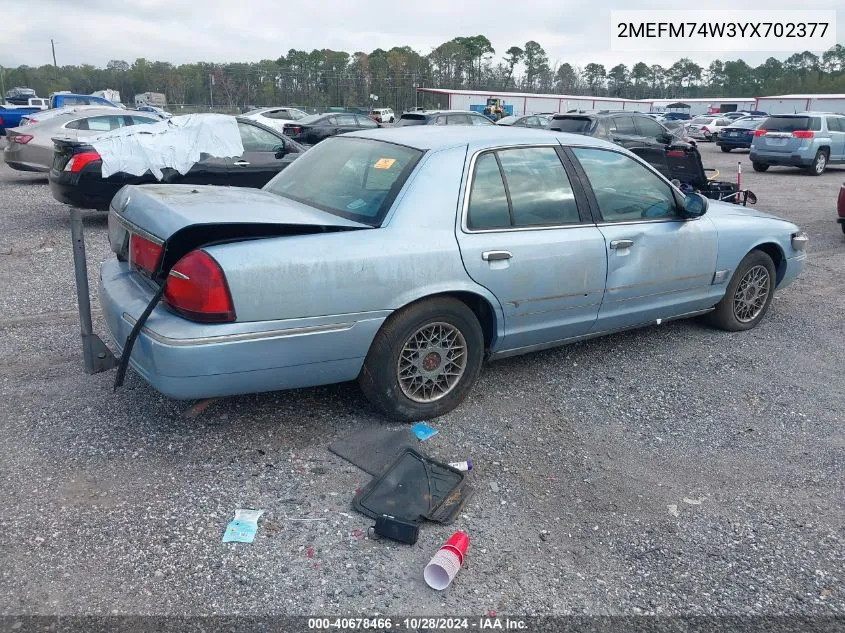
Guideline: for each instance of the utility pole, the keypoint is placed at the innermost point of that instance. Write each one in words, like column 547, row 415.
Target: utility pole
column 211, row 89
column 53, row 46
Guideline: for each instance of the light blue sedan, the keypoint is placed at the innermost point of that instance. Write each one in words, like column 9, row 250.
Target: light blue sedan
column 405, row 257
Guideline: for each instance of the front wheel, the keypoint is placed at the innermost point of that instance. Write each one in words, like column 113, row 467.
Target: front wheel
column 759, row 166
column 726, row 149
column 748, row 295
column 424, row 360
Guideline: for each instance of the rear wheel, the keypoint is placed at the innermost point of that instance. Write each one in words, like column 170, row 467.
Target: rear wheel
column 726, row 149
column 748, row 295
column 759, row 166
column 424, row 360
column 819, row 163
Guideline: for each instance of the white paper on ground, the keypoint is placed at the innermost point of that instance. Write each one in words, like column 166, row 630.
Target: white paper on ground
column 177, row 143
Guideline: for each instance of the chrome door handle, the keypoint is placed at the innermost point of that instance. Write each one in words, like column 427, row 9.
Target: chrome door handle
column 241, row 163
column 495, row 256
column 621, row 243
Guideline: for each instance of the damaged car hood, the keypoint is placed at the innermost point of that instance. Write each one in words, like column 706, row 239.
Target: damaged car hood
column 163, row 210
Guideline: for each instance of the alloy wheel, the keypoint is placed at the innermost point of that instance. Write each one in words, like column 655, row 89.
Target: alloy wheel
column 751, row 294
column 432, row 362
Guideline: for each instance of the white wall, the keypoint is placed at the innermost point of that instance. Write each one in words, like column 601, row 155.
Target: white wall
column 781, row 106
column 828, row 105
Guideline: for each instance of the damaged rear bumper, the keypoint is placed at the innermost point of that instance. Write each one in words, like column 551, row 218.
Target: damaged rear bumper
column 187, row 360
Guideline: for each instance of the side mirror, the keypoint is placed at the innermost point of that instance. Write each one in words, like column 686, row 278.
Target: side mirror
column 281, row 150
column 665, row 138
column 695, row 205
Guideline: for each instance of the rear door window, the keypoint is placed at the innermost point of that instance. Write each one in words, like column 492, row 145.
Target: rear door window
column 572, row 125
column 649, row 127
column 364, row 121
column 540, row 191
column 623, row 125
column 459, row 119
column 346, row 120
column 835, row 124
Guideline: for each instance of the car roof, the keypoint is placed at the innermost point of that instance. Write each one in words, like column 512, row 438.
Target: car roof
column 432, row 112
column 433, row 137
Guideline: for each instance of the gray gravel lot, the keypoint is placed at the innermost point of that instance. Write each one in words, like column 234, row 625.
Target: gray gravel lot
column 671, row 470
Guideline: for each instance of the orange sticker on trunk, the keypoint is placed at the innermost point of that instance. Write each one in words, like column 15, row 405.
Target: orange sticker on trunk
column 384, row 163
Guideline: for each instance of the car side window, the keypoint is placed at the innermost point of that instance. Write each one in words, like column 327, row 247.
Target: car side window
column 364, row 121
column 441, row 120
column 283, row 115
column 835, row 124
column 488, row 201
column 479, row 120
column 97, row 123
column 649, row 127
column 623, row 125
column 139, row 120
column 347, row 120
column 255, row 139
column 459, row 119
column 626, row 190
column 540, row 191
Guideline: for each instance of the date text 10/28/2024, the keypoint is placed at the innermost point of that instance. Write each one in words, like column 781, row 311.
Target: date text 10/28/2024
column 414, row 624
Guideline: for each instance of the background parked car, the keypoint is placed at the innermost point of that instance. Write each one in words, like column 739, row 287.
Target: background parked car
column 159, row 112
column 443, row 117
column 812, row 140
column 706, row 128
column 636, row 132
column 30, row 147
column 540, row 121
column 383, row 115
column 275, row 117
column 76, row 176
column 676, row 116
column 62, row 99
column 314, row 128
column 44, row 115
column 739, row 134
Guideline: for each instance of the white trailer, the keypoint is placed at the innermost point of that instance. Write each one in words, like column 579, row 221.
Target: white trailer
column 788, row 104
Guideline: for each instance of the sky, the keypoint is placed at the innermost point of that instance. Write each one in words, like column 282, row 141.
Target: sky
column 181, row 31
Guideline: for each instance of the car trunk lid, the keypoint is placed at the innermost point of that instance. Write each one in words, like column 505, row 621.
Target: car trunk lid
column 185, row 217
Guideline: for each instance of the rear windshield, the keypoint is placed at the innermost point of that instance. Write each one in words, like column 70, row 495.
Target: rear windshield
column 311, row 118
column 791, row 123
column 355, row 178
column 572, row 125
column 411, row 119
column 749, row 124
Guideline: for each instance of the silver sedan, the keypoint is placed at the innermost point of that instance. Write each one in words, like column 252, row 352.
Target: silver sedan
column 30, row 147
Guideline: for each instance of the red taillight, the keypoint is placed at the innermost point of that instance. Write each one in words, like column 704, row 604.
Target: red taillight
column 144, row 254
column 676, row 153
column 197, row 289
column 78, row 162
column 704, row 128
column 23, row 139
column 759, row 132
column 293, row 129
column 1, row 120
column 803, row 134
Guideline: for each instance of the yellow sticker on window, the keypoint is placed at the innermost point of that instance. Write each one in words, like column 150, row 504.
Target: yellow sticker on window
column 384, row 163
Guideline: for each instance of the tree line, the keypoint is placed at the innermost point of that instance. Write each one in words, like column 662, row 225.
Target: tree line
column 323, row 78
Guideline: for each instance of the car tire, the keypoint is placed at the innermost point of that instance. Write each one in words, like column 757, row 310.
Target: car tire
column 726, row 149
column 759, row 166
column 819, row 164
column 414, row 350
column 748, row 294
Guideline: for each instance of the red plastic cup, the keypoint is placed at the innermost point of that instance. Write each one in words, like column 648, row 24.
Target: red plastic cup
column 458, row 543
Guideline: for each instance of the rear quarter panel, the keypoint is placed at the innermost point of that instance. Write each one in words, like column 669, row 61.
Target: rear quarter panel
column 413, row 255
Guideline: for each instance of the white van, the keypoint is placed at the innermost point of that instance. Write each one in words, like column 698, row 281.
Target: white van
column 383, row 115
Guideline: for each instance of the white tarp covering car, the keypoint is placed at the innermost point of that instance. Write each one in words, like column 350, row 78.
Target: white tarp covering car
column 177, row 143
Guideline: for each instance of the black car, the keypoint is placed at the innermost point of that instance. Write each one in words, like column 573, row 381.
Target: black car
column 443, row 117
column 677, row 116
column 76, row 177
column 636, row 132
column 314, row 128
column 739, row 134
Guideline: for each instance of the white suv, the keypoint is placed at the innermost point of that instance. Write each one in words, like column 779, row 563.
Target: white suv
column 382, row 115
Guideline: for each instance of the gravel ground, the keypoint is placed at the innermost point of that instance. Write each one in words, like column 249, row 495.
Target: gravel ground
column 671, row 470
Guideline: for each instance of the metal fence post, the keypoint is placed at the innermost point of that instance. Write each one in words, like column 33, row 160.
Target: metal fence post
column 97, row 356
